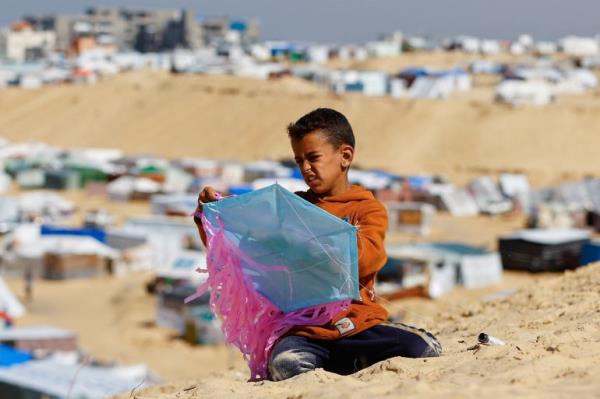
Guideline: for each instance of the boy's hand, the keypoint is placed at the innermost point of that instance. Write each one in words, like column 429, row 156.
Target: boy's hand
column 208, row 194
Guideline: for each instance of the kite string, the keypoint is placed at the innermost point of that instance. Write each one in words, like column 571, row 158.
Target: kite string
column 336, row 262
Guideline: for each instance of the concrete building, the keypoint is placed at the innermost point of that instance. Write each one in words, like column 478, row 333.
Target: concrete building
column 126, row 29
column 21, row 42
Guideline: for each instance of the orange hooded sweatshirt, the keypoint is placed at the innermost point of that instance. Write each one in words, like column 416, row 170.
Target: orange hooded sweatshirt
column 358, row 207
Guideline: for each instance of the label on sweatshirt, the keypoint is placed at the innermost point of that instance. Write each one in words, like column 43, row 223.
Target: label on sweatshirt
column 344, row 325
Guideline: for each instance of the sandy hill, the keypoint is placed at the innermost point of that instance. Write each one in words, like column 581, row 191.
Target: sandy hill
column 431, row 59
column 237, row 118
column 553, row 350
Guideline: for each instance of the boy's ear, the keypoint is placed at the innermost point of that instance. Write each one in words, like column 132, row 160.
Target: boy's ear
column 347, row 152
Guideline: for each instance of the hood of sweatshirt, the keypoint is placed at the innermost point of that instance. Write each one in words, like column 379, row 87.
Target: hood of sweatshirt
column 355, row 193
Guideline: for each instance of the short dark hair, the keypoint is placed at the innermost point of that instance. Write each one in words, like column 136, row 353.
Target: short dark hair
column 331, row 122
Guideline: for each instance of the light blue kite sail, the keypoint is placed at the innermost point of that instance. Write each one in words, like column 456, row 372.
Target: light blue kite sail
column 294, row 253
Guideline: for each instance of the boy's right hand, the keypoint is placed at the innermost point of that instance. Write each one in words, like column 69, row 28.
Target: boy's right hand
column 208, row 194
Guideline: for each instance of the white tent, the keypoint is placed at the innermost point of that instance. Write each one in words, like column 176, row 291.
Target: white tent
column 437, row 88
column 457, row 201
column 374, row 83
column 123, row 188
column 45, row 203
column 183, row 264
column 579, row 46
column 9, row 209
column 289, row 183
column 5, row 182
column 9, row 302
column 65, row 244
column 519, row 92
column 55, row 378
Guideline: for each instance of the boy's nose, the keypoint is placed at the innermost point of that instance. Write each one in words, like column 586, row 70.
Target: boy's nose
column 305, row 167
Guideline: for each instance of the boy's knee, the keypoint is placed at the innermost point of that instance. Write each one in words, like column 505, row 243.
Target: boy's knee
column 289, row 363
column 416, row 342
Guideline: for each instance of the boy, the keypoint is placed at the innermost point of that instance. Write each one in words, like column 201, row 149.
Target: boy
column 323, row 146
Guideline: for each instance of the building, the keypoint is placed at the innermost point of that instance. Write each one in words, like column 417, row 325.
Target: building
column 143, row 30
column 21, row 42
column 220, row 29
column 125, row 28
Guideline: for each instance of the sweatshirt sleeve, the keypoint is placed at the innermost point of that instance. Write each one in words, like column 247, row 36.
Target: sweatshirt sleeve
column 201, row 231
column 372, row 225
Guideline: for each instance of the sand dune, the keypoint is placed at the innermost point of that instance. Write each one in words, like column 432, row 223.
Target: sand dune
column 553, row 350
column 236, row 118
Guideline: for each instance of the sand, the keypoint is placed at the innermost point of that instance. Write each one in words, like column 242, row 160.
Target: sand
column 553, row 350
column 236, row 118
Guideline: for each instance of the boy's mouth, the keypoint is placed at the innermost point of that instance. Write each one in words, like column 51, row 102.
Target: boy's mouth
column 311, row 179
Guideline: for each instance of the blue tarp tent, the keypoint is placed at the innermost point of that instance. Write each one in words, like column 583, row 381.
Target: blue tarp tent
column 239, row 26
column 10, row 356
column 98, row 234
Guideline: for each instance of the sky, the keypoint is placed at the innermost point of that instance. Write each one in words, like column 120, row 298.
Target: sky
column 345, row 21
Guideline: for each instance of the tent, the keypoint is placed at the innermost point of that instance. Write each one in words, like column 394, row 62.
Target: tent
column 39, row 337
column 10, row 356
column 488, row 197
column 438, row 267
column 457, row 201
column 174, row 204
column 410, row 217
column 54, row 378
column 516, row 187
column 519, row 92
column 9, row 302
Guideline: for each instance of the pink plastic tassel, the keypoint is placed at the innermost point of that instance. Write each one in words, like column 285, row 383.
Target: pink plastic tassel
column 249, row 320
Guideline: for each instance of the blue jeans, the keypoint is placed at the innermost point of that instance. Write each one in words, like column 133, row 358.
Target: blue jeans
column 293, row 355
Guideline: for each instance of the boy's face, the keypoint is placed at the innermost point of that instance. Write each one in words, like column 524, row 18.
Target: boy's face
column 322, row 165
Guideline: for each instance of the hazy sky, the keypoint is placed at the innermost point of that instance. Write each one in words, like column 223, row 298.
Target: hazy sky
column 362, row 20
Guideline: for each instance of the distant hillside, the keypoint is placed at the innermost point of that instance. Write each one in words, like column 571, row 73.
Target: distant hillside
column 236, row 118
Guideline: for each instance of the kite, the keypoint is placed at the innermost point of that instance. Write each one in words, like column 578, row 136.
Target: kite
column 275, row 261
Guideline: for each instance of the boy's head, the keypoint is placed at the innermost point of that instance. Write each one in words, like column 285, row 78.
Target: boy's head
column 323, row 145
